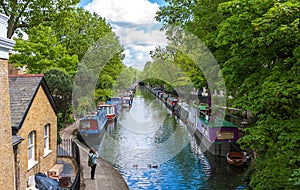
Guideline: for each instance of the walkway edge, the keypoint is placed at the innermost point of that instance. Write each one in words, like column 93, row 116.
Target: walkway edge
column 106, row 176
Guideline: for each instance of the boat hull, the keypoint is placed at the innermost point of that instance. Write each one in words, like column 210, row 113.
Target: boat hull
column 214, row 148
column 235, row 158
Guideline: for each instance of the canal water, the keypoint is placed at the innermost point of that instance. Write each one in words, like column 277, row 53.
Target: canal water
column 152, row 149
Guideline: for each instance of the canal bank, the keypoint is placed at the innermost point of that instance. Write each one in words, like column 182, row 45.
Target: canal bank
column 106, row 176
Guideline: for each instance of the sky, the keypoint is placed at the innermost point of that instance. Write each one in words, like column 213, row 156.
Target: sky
column 133, row 22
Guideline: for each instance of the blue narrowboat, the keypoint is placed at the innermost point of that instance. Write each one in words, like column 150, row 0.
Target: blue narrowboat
column 93, row 123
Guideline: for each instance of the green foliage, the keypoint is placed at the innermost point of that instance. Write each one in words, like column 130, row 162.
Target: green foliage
column 60, row 85
column 97, row 71
column 264, row 67
column 257, row 44
column 125, row 80
column 295, row 177
column 78, row 30
column 272, row 176
column 42, row 51
column 24, row 15
column 56, row 45
column 85, row 106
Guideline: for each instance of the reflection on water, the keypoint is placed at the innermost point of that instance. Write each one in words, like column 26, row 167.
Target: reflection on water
column 154, row 151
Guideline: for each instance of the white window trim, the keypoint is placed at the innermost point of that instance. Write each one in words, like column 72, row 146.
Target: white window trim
column 31, row 162
column 47, row 151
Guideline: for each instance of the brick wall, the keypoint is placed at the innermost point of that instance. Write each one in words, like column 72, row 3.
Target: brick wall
column 6, row 149
column 39, row 115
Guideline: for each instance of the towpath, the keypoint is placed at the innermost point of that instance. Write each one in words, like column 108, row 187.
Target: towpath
column 106, row 176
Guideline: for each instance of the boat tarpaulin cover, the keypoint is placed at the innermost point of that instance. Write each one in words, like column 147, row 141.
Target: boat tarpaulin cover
column 45, row 183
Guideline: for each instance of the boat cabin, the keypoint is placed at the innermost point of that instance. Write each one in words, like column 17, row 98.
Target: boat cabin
column 214, row 128
column 110, row 110
column 126, row 101
column 93, row 123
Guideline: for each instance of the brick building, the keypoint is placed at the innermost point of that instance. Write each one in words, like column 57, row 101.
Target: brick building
column 28, row 123
column 7, row 179
column 33, row 118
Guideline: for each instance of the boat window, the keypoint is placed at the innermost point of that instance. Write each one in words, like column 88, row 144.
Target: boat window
column 84, row 125
column 110, row 110
column 225, row 135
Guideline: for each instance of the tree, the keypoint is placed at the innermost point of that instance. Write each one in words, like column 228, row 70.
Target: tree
column 78, row 30
column 60, row 85
column 125, row 79
column 104, row 54
column 42, row 51
column 199, row 17
column 264, row 67
column 256, row 44
column 27, row 14
column 108, row 77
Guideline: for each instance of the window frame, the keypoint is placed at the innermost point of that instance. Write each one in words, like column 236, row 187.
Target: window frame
column 31, row 150
column 46, row 138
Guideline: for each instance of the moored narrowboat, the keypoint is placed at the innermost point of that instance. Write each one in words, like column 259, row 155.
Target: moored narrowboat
column 181, row 109
column 126, row 102
column 111, row 111
column 93, row 123
column 116, row 101
column 216, row 133
column 171, row 102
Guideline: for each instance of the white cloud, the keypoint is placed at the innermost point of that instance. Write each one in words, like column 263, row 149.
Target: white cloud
column 132, row 11
column 133, row 21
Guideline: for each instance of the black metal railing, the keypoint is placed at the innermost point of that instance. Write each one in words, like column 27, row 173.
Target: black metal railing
column 68, row 148
column 76, row 156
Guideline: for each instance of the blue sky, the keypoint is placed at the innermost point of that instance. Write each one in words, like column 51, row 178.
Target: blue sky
column 85, row 2
column 133, row 21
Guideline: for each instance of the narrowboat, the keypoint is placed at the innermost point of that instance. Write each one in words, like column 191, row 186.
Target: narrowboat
column 216, row 134
column 171, row 102
column 116, row 101
column 126, row 101
column 154, row 90
column 111, row 110
column 93, row 123
column 181, row 109
column 158, row 93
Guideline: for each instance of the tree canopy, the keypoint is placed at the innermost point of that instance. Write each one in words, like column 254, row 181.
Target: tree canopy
column 60, row 85
column 256, row 44
column 63, row 39
column 42, row 51
column 27, row 14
